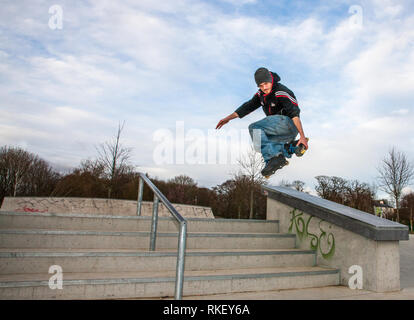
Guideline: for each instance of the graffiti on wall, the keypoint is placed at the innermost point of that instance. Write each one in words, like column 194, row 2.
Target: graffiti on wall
column 29, row 209
column 324, row 243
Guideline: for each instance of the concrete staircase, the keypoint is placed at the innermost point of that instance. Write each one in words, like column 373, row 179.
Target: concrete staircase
column 107, row 257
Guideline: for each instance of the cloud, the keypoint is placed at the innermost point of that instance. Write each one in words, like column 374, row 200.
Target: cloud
column 153, row 63
column 386, row 9
column 400, row 112
column 239, row 2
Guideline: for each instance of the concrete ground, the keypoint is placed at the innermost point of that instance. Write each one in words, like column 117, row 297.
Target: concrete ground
column 336, row 292
column 325, row 293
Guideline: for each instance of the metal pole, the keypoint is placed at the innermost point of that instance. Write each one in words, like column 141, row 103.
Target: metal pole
column 179, row 278
column 154, row 222
column 140, row 193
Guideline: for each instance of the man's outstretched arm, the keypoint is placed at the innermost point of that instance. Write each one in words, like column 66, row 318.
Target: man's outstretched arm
column 302, row 139
column 241, row 111
column 223, row 121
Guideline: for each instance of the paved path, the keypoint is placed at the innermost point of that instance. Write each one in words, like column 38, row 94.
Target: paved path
column 325, row 293
column 407, row 263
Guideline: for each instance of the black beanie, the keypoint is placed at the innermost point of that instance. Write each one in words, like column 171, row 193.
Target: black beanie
column 262, row 75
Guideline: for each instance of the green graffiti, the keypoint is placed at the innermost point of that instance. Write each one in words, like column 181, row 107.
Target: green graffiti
column 298, row 221
column 302, row 231
column 330, row 239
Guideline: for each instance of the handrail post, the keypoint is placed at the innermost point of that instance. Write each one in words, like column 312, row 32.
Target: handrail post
column 140, row 193
column 154, row 222
column 179, row 278
column 182, row 237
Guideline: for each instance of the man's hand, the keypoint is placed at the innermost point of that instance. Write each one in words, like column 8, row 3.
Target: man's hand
column 222, row 122
column 303, row 141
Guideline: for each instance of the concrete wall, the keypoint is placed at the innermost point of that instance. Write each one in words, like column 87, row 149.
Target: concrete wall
column 340, row 248
column 97, row 206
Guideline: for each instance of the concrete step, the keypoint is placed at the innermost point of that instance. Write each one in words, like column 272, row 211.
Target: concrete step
column 27, row 220
column 136, row 240
column 161, row 284
column 107, row 260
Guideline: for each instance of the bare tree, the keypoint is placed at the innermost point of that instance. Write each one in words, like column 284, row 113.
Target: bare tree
column 285, row 183
column 359, row 195
column 15, row 163
column 352, row 193
column 251, row 166
column 182, row 189
column 408, row 202
column 114, row 158
column 183, row 180
column 24, row 173
column 395, row 173
column 323, row 187
column 331, row 188
column 298, row 185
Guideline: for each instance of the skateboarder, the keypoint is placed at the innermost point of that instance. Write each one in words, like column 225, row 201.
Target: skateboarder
column 272, row 135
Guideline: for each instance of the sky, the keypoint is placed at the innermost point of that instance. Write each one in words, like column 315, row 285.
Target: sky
column 71, row 71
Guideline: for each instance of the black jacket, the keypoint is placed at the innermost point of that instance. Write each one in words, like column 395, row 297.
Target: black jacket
column 280, row 100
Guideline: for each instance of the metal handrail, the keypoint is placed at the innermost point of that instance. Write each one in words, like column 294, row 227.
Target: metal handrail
column 158, row 196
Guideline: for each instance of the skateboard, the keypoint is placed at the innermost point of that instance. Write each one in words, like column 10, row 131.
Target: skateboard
column 291, row 148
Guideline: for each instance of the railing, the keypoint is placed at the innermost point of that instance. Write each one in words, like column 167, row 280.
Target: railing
column 158, row 196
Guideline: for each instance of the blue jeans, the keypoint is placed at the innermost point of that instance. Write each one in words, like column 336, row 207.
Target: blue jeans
column 271, row 133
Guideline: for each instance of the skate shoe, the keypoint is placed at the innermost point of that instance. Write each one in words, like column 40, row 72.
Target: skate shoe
column 274, row 164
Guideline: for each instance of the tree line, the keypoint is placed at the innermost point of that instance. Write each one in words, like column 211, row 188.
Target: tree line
column 110, row 175
column 23, row 173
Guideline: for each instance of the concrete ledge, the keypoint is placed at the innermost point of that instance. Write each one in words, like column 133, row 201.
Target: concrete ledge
column 94, row 216
column 151, row 254
column 159, row 286
column 146, row 234
column 58, row 221
column 97, row 206
column 342, row 237
column 128, row 240
column 27, row 263
column 226, row 275
column 357, row 221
